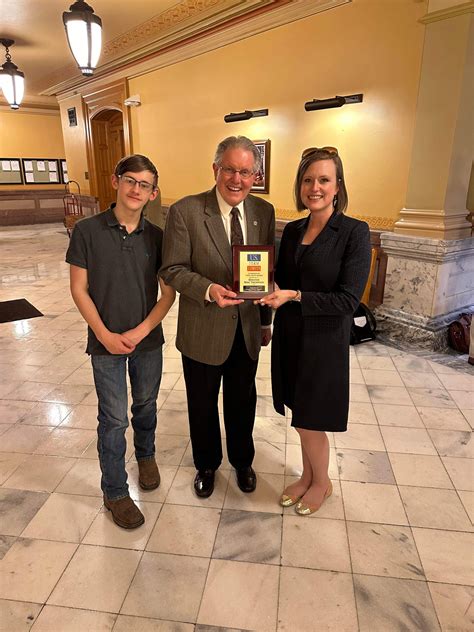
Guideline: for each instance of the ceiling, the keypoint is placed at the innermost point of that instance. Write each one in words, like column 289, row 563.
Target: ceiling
column 137, row 36
column 41, row 51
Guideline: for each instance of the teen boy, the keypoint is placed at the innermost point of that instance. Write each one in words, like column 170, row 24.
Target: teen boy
column 115, row 257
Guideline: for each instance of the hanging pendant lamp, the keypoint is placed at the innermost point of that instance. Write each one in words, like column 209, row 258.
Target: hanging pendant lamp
column 12, row 81
column 84, row 35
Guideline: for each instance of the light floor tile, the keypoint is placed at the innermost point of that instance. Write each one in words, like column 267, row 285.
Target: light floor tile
column 360, row 437
column 464, row 399
column 361, row 413
column 81, row 417
column 443, row 418
column 140, row 624
column 406, row 362
column 70, row 442
column 104, row 532
column 83, row 479
column 31, row 569
column 358, row 393
column 173, row 422
column 389, row 395
column 394, row 415
column 11, row 411
column 240, row 595
column 379, row 377
column 272, row 429
column 28, row 391
column 453, row 443
column 316, row 600
column 454, row 606
column 185, row 530
column 457, row 381
column 24, row 439
column 248, row 537
column 40, row 473
column 167, row 587
column 381, row 549
column 269, row 457
column 97, row 578
column 18, row 508
column 431, row 397
column 46, row 414
column 63, row 518
column 68, row 394
column 446, row 555
column 56, row 618
column 419, row 470
column 391, row 605
column 320, row 544
column 415, row 379
column 17, row 616
column 384, row 363
column 158, row 495
column 407, row 440
column 9, row 461
column 365, row 466
column 434, row 508
column 467, row 499
column 170, row 449
column 264, row 498
column 371, row 502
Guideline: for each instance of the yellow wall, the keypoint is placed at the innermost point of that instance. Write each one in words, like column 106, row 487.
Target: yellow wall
column 369, row 46
column 25, row 135
column 75, row 143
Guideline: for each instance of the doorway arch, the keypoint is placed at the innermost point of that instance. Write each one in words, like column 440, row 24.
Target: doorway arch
column 108, row 146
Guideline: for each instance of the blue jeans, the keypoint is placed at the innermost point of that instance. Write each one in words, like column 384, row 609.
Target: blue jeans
column 144, row 369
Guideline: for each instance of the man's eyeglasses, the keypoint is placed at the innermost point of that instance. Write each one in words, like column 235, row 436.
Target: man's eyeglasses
column 143, row 184
column 244, row 173
column 313, row 150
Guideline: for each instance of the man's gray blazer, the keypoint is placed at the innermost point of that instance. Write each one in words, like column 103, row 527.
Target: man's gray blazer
column 196, row 253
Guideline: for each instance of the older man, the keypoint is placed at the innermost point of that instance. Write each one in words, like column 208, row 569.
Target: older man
column 219, row 336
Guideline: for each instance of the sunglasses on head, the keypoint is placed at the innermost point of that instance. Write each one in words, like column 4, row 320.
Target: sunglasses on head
column 313, row 150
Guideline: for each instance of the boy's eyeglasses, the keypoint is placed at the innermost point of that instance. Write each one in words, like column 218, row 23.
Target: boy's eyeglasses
column 244, row 173
column 143, row 184
column 313, row 150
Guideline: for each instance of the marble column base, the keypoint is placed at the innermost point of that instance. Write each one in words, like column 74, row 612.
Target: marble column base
column 429, row 282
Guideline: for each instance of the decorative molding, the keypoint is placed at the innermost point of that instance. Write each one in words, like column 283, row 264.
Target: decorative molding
column 434, row 223
column 450, row 12
column 204, row 37
column 375, row 223
column 32, row 108
column 426, row 249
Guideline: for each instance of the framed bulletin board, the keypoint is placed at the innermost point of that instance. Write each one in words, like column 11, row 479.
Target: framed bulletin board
column 262, row 179
column 10, row 171
column 63, row 170
column 41, row 170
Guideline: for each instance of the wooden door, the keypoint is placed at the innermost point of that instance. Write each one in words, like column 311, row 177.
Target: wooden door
column 108, row 144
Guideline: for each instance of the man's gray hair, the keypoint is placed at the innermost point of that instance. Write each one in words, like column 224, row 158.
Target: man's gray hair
column 240, row 142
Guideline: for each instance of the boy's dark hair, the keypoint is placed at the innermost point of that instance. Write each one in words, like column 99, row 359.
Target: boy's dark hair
column 136, row 163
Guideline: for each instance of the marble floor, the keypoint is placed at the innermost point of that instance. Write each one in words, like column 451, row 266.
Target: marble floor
column 390, row 550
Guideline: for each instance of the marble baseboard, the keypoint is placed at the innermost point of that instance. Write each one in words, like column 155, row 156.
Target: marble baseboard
column 423, row 333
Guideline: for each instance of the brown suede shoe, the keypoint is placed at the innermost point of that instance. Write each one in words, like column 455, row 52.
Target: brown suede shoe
column 125, row 512
column 148, row 474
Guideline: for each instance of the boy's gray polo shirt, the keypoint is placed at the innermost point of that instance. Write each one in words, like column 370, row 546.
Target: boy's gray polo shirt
column 122, row 271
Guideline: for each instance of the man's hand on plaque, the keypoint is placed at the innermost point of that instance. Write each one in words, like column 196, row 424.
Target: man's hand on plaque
column 224, row 297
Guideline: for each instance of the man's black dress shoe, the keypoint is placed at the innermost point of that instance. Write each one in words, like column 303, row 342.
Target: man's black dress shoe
column 246, row 479
column 204, row 483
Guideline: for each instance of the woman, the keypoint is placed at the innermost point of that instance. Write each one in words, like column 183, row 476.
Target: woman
column 322, row 270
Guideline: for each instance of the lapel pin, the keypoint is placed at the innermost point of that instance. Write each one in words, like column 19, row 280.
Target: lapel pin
column 255, row 223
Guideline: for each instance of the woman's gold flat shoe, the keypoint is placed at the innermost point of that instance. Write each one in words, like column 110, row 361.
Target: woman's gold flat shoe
column 288, row 501
column 306, row 510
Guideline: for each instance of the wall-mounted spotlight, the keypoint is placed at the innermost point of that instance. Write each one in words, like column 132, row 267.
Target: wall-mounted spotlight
column 12, row 81
column 244, row 116
column 84, row 35
column 335, row 102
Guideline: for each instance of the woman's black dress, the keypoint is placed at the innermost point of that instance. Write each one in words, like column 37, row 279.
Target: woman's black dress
column 310, row 346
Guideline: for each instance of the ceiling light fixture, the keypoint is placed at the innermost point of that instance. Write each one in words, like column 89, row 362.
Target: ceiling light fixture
column 12, row 81
column 244, row 116
column 335, row 102
column 84, row 35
